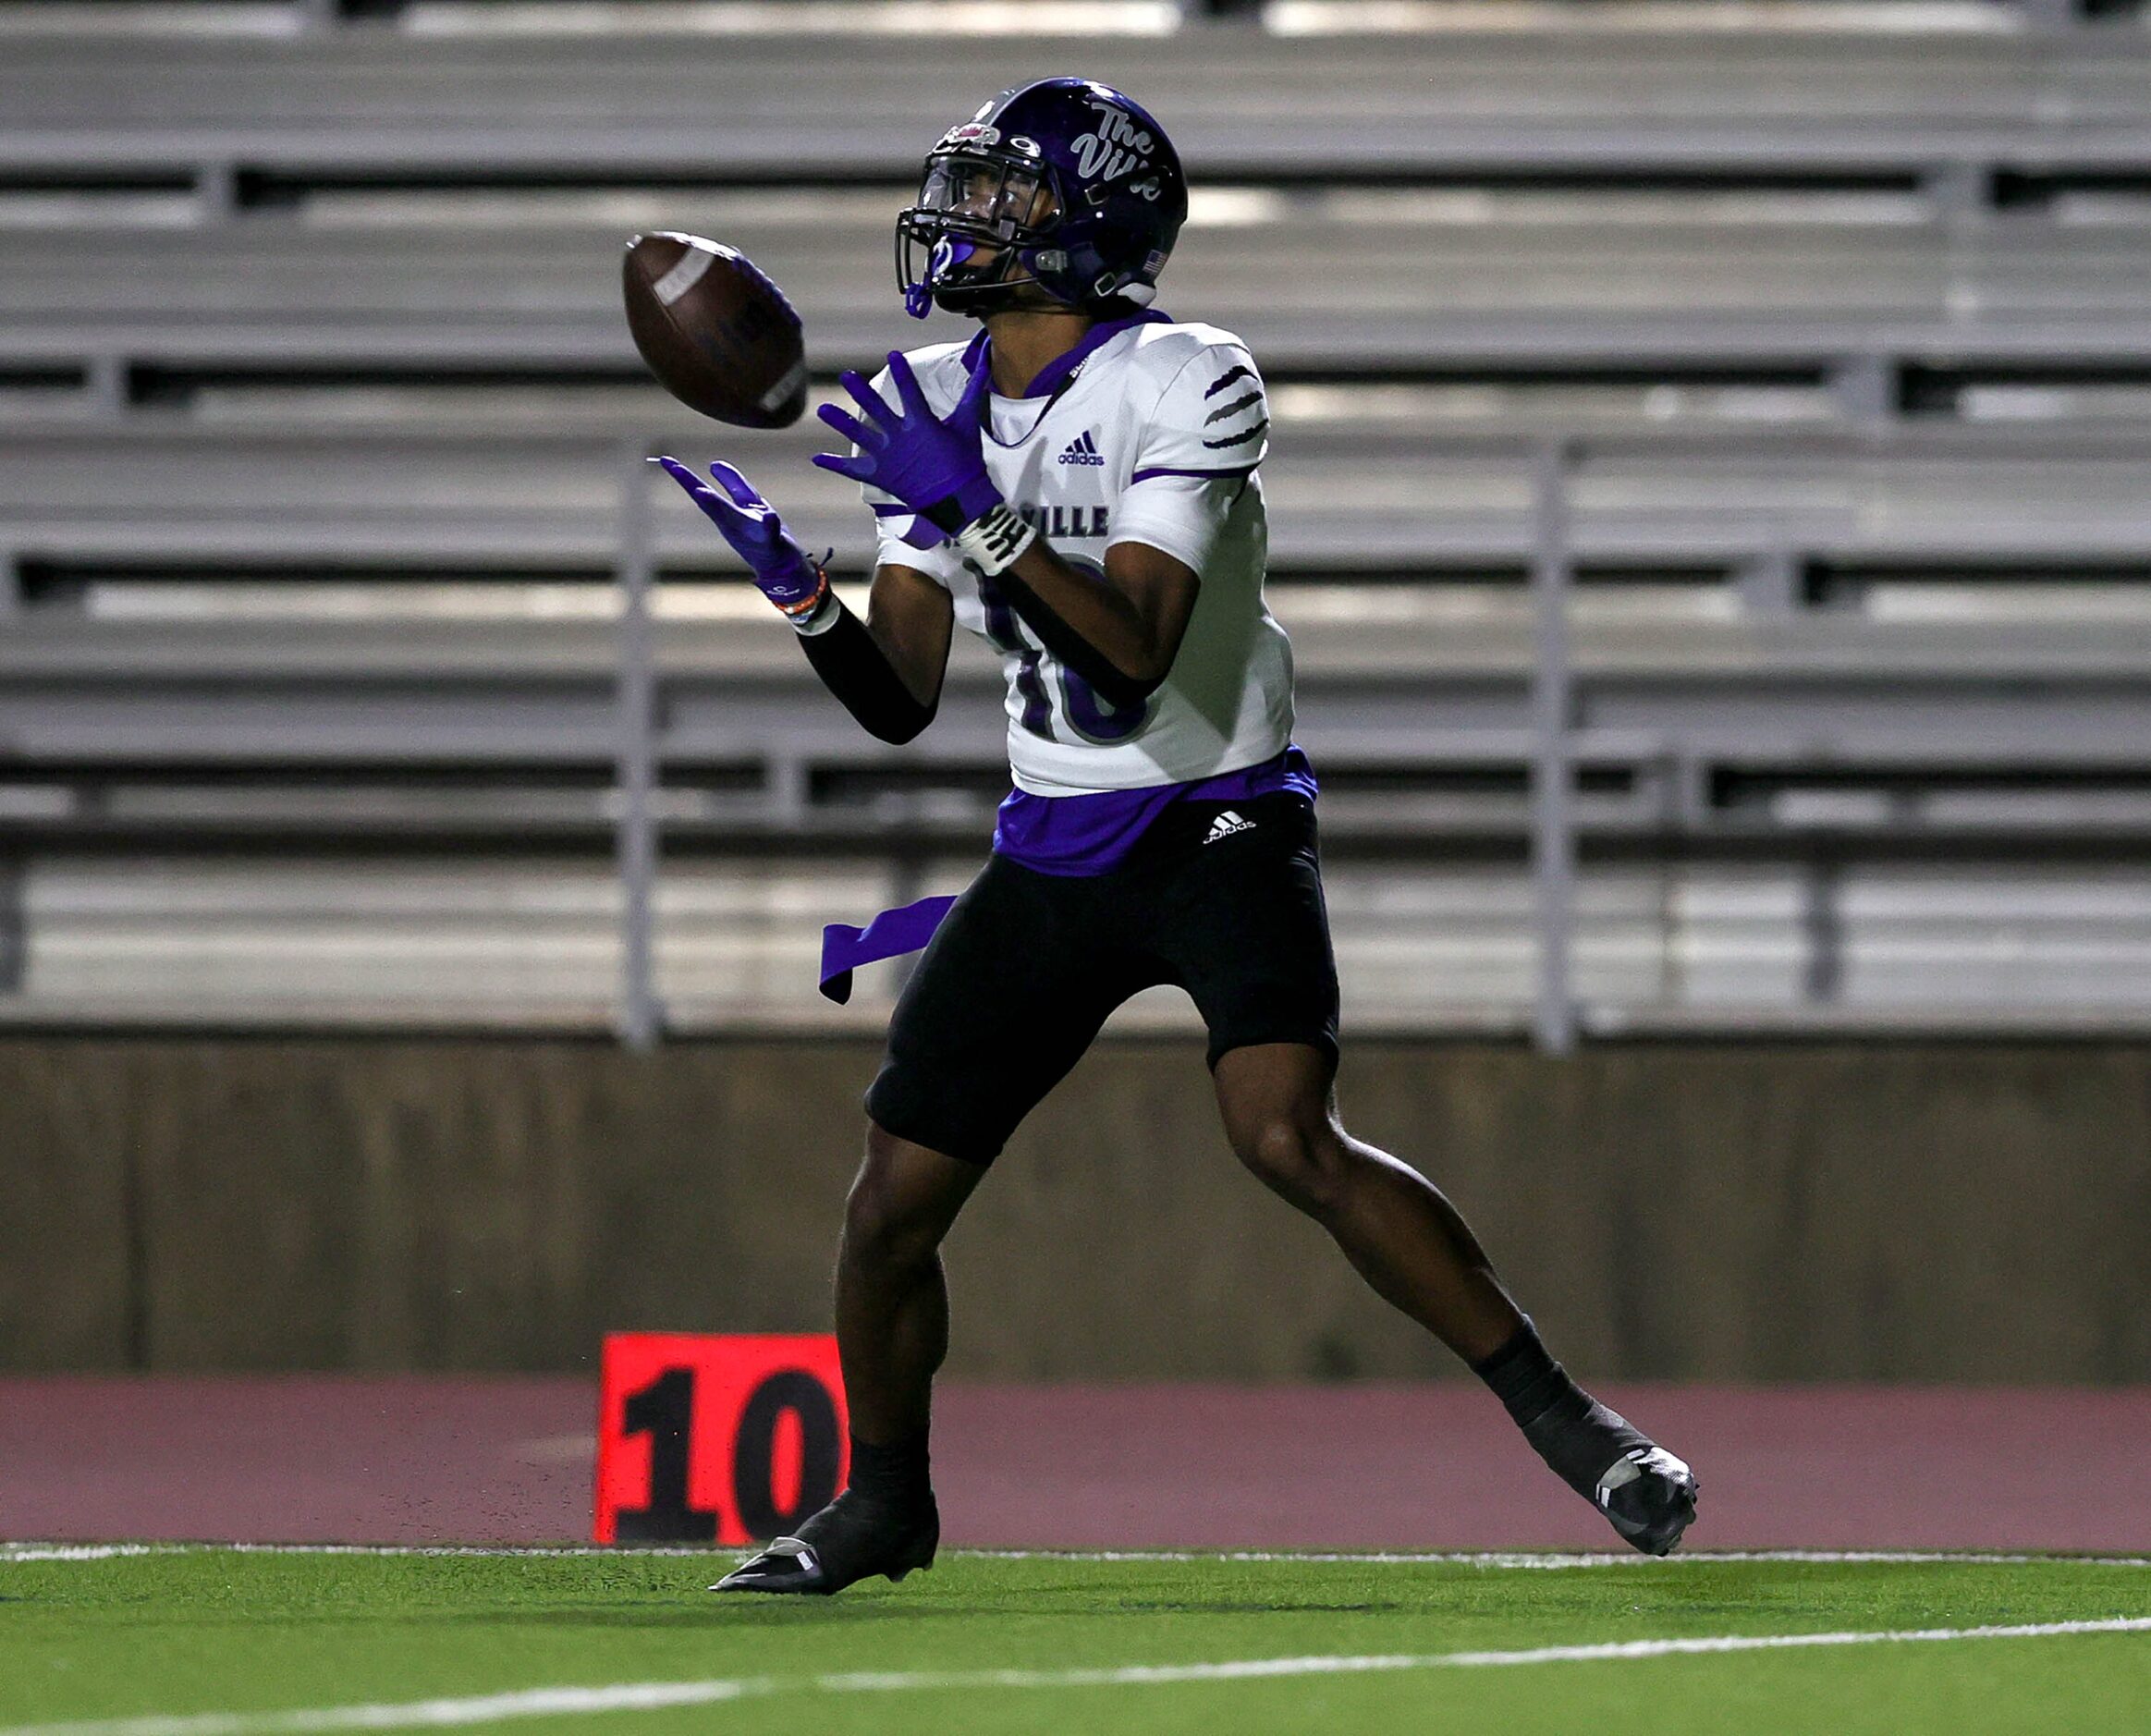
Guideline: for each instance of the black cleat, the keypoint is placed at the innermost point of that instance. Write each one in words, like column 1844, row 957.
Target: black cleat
column 848, row 1540
column 1650, row 1497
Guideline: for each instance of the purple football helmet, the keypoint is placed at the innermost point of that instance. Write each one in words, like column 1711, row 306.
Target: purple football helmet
column 1065, row 183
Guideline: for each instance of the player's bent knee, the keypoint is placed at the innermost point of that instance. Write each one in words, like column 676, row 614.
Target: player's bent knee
column 898, row 1211
column 880, row 1234
column 1304, row 1164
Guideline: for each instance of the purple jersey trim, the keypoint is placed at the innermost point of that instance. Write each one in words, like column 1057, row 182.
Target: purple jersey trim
column 1057, row 373
column 1143, row 476
column 1054, row 374
column 1092, row 835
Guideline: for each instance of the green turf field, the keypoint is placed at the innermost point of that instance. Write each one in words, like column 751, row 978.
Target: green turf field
column 289, row 1641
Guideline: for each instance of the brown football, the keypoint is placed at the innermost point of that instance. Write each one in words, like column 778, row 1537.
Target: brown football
column 717, row 334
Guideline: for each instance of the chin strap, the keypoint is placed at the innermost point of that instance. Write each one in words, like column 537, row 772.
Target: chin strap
column 978, row 300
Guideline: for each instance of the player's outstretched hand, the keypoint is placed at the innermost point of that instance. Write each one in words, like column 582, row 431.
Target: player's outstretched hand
column 783, row 570
column 936, row 467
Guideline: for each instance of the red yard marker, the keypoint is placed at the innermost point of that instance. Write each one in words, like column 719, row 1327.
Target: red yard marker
column 723, row 1439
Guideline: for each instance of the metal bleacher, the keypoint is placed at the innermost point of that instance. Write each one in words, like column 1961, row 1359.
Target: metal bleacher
column 317, row 416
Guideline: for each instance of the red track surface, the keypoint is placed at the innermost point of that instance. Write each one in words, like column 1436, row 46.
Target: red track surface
column 435, row 1460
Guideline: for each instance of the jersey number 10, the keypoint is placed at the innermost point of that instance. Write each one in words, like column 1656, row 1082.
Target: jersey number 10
column 1094, row 718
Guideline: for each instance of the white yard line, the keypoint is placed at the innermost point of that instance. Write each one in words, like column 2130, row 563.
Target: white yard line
column 482, row 1709
column 10, row 1552
column 642, row 1696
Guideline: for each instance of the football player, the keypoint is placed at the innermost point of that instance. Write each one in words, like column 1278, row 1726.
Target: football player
column 1079, row 485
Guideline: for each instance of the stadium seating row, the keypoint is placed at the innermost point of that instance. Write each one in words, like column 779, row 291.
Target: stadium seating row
column 1739, row 728
column 580, row 105
column 1353, row 496
column 1361, row 285
column 534, row 945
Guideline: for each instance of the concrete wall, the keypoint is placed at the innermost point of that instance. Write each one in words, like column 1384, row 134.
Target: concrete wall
column 1932, row 1213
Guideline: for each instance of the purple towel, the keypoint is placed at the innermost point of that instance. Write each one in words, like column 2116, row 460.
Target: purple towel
column 845, row 949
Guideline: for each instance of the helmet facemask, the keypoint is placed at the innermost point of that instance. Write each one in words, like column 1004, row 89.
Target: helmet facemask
column 963, row 246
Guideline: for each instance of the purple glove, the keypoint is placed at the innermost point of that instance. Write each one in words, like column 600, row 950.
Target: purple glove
column 936, row 468
column 782, row 569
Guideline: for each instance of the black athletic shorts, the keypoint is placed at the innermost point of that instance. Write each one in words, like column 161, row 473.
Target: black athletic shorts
column 1024, row 968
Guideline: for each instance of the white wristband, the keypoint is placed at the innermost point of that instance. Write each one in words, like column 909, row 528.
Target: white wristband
column 820, row 618
column 994, row 540
column 816, row 614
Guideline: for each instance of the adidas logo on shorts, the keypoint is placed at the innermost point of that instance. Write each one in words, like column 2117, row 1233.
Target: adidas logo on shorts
column 1226, row 824
column 1083, row 449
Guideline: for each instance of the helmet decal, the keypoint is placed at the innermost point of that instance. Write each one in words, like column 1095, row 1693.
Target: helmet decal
column 1118, row 147
column 971, row 132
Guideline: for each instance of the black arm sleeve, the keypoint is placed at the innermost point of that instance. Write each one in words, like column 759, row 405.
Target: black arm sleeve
column 856, row 670
column 1113, row 685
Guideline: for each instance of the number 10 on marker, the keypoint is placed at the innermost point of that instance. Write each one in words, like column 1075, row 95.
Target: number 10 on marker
column 716, row 1439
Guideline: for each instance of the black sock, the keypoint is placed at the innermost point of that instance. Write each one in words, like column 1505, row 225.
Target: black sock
column 896, row 1475
column 1579, row 1437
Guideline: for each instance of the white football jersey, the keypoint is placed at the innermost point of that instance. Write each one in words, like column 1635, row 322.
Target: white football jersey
column 1154, row 439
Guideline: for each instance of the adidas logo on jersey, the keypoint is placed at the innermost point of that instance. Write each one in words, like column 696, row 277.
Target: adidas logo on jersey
column 1083, row 449
column 1226, row 824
